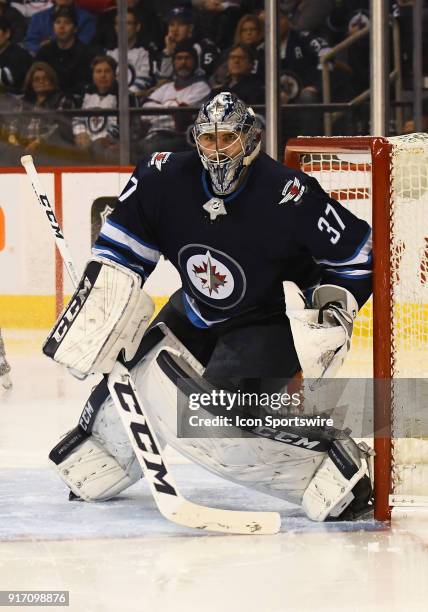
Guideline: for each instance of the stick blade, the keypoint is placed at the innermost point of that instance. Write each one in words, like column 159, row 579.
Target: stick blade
column 204, row 518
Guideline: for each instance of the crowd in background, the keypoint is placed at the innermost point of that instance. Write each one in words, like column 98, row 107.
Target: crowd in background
column 60, row 58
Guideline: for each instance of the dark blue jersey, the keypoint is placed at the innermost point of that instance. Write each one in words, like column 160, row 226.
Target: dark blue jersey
column 280, row 225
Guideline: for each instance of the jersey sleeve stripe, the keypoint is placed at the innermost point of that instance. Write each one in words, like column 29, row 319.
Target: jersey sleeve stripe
column 126, row 231
column 122, row 241
column 108, row 254
column 127, row 248
column 363, row 254
column 357, row 274
column 350, row 271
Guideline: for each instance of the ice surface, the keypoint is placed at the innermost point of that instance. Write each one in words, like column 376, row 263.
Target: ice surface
column 123, row 556
column 44, row 512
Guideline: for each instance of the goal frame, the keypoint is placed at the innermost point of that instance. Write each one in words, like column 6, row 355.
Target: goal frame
column 380, row 152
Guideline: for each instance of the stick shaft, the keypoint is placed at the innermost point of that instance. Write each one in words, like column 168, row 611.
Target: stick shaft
column 43, row 200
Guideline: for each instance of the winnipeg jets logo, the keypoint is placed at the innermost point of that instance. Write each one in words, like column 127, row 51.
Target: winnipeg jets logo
column 211, row 279
column 157, row 159
column 219, row 107
column 292, row 191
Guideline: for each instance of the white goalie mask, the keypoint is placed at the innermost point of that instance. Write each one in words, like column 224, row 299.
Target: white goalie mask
column 228, row 140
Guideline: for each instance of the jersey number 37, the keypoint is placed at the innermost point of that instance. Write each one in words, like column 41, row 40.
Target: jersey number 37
column 324, row 225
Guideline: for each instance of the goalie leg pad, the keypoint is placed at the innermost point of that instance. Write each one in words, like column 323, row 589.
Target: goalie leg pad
column 96, row 459
column 108, row 312
column 93, row 474
column 337, row 482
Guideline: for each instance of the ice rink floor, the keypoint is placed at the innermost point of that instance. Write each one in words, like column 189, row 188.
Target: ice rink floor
column 123, row 556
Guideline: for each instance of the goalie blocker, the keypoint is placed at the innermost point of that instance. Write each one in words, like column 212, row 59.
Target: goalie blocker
column 108, row 313
column 322, row 334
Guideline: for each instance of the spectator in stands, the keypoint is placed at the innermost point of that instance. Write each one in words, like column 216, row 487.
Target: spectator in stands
column 97, row 136
column 140, row 66
column 105, row 35
column 300, row 74
column 308, row 15
column 70, row 58
column 249, row 32
column 300, row 62
column 359, row 52
column 180, row 29
column 337, row 22
column 48, row 134
column 217, row 21
column 168, row 132
column 8, row 130
column 28, row 8
column 239, row 79
column 14, row 60
column 40, row 29
column 18, row 23
column 152, row 29
column 150, row 34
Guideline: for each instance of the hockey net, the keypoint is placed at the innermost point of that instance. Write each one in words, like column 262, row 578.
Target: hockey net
column 385, row 182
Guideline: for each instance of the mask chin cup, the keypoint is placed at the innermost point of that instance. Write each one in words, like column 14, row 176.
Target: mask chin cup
column 246, row 161
column 225, row 178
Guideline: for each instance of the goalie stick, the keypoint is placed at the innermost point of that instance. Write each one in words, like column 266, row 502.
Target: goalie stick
column 42, row 198
column 142, row 436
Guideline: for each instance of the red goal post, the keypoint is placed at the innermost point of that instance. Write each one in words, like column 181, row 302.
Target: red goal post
column 373, row 176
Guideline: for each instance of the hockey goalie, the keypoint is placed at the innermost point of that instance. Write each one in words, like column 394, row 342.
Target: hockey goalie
column 235, row 224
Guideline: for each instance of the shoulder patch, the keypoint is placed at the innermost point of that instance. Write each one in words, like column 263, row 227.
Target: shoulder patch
column 293, row 191
column 158, row 159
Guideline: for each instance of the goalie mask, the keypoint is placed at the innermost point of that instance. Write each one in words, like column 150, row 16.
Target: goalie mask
column 227, row 138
